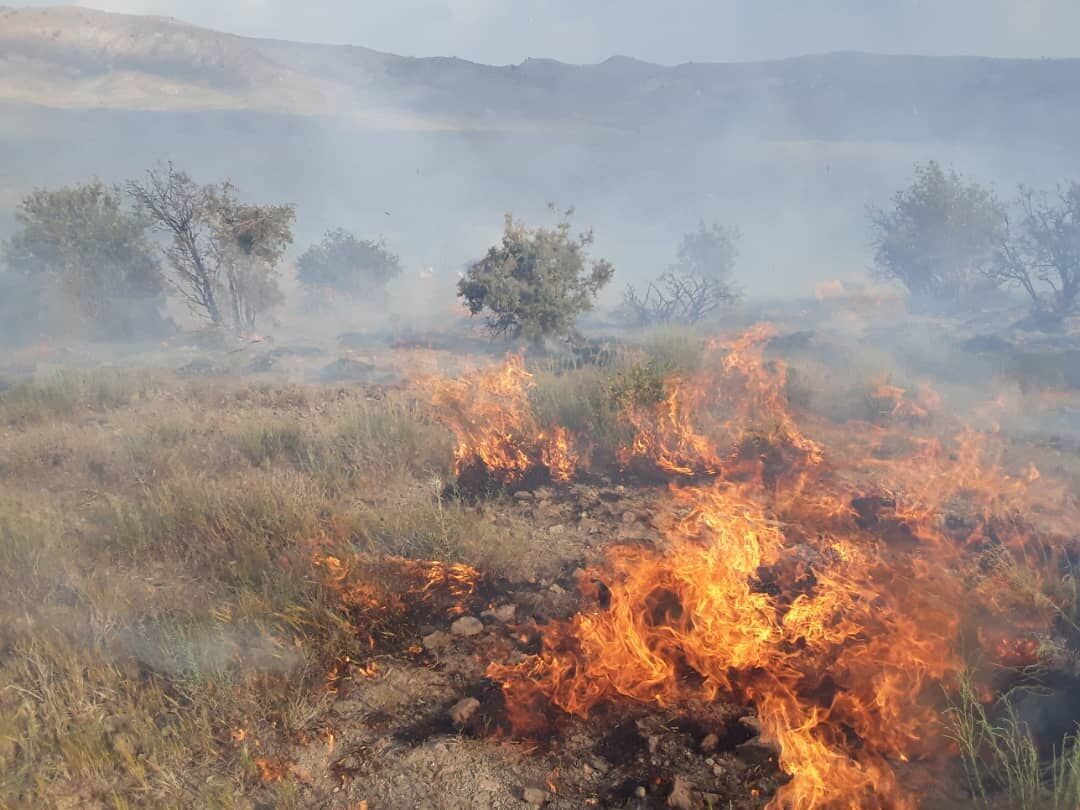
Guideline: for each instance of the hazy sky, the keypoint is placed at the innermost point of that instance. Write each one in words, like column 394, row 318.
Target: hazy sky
column 668, row 31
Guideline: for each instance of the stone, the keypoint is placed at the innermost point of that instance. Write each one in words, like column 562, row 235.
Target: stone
column 535, row 796
column 556, row 530
column 467, row 626
column 708, row 745
column 436, row 641
column 629, row 517
column 599, row 764
column 557, row 589
column 681, row 796
column 505, row 613
column 640, row 792
column 523, row 495
column 462, row 711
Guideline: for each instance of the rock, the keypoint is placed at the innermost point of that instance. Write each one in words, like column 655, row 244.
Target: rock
column 467, row 626
column 640, row 792
column 463, row 710
column 708, row 745
column 680, row 796
column 757, row 751
column 505, row 613
column 523, row 495
column 535, row 796
column 556, row 530
column 629, row 517
column 557, row 589
column 436, row 641
column 599, row 764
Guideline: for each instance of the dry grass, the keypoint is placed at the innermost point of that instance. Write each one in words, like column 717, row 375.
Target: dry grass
column 156, row 590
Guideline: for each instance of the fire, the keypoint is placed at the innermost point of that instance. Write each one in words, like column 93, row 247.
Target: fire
column 491, row 417
column 828, row 590
column 735, row 398
column 824, row 574
column 380, row 596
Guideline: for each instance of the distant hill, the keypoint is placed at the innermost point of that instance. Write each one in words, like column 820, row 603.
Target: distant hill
column 75, row 57
column 430, row 151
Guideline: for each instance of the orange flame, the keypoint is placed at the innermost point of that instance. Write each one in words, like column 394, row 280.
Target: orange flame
column 491, row 417
column 836, row 612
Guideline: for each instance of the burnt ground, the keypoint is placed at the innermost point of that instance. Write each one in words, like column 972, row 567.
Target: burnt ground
column 419, row 726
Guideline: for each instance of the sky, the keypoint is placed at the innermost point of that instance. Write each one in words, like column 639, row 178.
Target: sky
column 665, row 31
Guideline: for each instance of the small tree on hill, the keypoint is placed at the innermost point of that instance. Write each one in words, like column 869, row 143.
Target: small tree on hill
column 695, row 286
column 536, row 282
column 1041, row 252
column 939, row 235
column 83, row 243
column 223, row 253
column 345, row 264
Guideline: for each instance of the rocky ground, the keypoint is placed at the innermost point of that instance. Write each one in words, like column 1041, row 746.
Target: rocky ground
column 419, row 726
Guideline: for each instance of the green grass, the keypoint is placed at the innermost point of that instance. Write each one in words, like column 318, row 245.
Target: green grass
column 1000, row 757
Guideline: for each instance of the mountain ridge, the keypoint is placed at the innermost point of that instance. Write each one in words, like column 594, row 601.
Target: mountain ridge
column 73, row 57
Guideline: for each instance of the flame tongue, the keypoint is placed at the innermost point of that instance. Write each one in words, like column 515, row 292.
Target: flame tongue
column 839, row 655
column 492, row 420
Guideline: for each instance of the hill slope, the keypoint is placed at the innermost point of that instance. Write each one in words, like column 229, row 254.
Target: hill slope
column 75, row 57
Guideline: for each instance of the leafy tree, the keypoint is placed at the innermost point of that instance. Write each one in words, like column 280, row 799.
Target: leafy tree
column 535, row 282
column 709, row 252
column 939, row 235
column 1041, row 254
column 223, row 253
column 249, row 241
column 343, row 263
column 82, row 242
column 695, row 286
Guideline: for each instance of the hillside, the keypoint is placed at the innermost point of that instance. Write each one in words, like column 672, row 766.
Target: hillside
column 75, row 57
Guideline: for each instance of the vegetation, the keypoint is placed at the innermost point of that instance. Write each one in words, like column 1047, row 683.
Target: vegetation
column 694, row 287
column 223, row 253
column 343, row 263
column 81, row 244
column 1000, row 756
column 1041, row 253
column 940, row 234
column 536, row 282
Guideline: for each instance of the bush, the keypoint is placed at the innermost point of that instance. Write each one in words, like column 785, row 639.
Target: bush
column 342, row 263
column 939, row 235
column 82, row 245
column 536, row 282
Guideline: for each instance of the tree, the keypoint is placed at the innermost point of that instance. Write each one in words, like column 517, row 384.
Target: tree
column 695, row 286
column 83, row 243
column 536, row 282
column 343, row 263
column 709, row 252
column 939, row 235
column 1042, row 254
column 223, row 253
column 249, row 241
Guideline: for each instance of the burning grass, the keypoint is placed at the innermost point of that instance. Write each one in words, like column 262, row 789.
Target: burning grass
column 193, row 572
